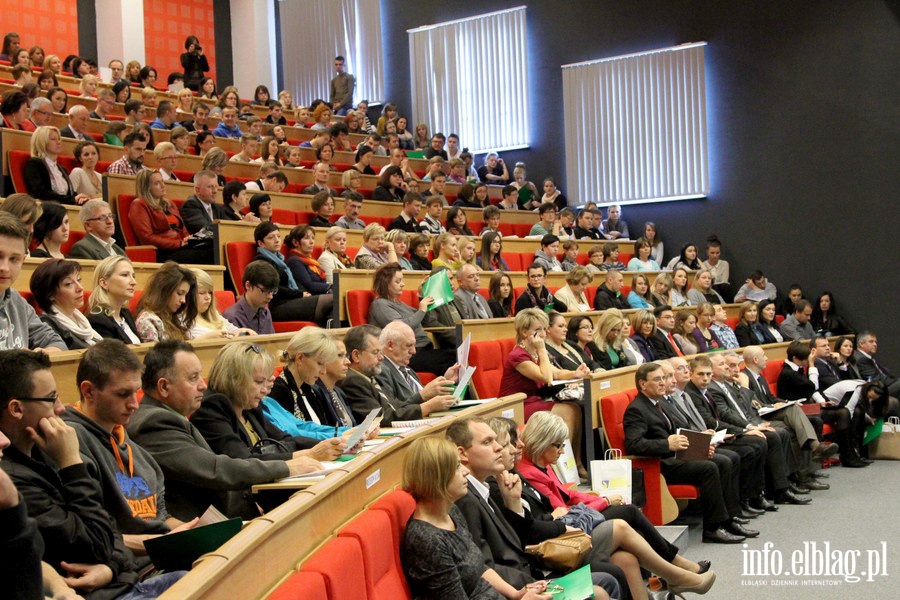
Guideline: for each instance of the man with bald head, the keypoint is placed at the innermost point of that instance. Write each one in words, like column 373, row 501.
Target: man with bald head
column 609, row 294
column 472, row 305
column 398, row 345
column 78, row 120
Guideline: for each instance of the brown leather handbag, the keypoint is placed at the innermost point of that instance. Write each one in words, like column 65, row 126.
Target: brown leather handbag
column 562, row 553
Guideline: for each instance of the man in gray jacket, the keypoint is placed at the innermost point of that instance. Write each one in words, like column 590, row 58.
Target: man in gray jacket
column 98, row 222
column 196, row 477
column 20, row 328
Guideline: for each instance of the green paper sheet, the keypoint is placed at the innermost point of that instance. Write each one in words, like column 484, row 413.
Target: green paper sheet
column 576, row 585
column 438, row 287
column 873, row 431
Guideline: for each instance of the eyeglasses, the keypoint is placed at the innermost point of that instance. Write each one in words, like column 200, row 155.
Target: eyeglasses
column 559, row 445
column 52, row 399
column 266, row 291
column 586, row 327
column 106, row 217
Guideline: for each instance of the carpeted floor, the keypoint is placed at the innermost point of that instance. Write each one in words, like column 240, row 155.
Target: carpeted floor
column 854, row 517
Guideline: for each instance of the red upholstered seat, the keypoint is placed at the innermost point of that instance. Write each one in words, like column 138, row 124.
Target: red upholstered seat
column 224, row 299
column 476, row 227
column 339, row 562
column 612, row 414
column 74, row 237
column 625, row 290
column 489, row 358
column 283, row 216
column 17, row 160
column 237, row 256
column 513, row 261
column 399, row 507
column 306, row 585
column 522, row 229
column 291, row 326
column 410, row 298
column 732, row 322
column 590, row 292
column 358, row 302
column 771, row 372
column 625, row 257
column 381, row 555
column 123, row 205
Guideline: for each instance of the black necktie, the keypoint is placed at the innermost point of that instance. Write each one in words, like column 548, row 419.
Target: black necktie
column 711, row 404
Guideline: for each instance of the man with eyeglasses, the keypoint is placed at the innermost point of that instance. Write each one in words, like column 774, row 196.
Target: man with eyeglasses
column 362, row 388
column 536, row 294
column 57, row 487
column 260, row 281
column 649, row 431
column 98, row 223
column 41, row 112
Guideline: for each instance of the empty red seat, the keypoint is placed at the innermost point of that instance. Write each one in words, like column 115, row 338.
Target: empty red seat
column 237, row 256
column 358, row 302
column 381, row 555
column 399, row 506
column 489, row 357
column 339, row 562
column 17, row 160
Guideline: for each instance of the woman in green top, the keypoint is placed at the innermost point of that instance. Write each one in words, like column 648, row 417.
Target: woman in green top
column 528, row 194
column 607, row 348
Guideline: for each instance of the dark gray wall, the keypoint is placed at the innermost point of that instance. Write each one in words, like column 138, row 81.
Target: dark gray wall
column 804, row 126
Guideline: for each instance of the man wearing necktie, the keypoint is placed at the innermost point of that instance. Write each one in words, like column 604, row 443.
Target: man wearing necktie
column 662, row 341
column 396, row 378
column 751, row 446
column 472, row 304
column 733, row 408
column 650, row 432
column 871, row 369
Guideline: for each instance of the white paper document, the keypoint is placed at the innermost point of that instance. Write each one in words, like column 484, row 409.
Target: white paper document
column 363, row 427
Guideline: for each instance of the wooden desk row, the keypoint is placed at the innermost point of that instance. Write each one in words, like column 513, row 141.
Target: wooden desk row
column 270, row 547
column 142, row 273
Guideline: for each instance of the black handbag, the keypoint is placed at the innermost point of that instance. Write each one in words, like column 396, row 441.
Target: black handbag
column 638, row 491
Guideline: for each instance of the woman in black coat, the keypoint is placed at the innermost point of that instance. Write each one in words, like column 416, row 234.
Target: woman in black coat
column 45, row 179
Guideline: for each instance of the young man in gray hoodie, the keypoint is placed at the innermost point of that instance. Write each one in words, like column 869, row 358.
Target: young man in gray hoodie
column 20, row 328
column 132, row 483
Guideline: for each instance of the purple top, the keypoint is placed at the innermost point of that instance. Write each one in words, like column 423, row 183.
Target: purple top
column 241, row 314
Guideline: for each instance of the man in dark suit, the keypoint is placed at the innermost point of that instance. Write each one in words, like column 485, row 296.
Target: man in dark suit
column 201, row 208
column 795, row 384
column 752, row 447
column 869, row 367
column 78, row 122
column 396, row 378
column 364, row 349
column 663, row 342
column 472, row 305
column 735, row 409
column 608, row 294
column 502, row 549
column 830, row 381
column 407, row 220
column 804, row 429
column 196, row 477
column 98, row 222
column 649, row 431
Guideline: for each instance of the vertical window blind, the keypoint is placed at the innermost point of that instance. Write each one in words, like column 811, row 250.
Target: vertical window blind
column 314, row 32
column 636, row 127
column 470, row 77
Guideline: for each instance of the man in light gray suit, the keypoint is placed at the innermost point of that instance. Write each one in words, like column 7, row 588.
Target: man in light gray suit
column 398, row 345
column 98, row 222
column 472, row 304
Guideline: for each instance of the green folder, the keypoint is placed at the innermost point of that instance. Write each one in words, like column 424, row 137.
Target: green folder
column 438, row 287
column 576, row 585
column 178, row 551
column 873, row 431
column 415, row 154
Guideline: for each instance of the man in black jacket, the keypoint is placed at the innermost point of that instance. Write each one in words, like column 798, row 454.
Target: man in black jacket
column 608, row 294
column 869, row 367
column 663, row 342
column 201, row 208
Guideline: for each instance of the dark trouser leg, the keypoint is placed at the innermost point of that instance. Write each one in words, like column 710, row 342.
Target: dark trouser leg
column 728, row 462
column 753, row 464
column 297, row 309
column 705, row 475
column 776, row 462
column 839, row 419
column 633, row 516
column 817, row 424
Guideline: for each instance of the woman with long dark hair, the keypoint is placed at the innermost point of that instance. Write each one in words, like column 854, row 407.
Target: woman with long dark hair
column 825, row 319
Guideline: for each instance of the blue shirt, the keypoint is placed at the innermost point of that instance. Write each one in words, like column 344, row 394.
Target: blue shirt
column 157, row 124
column 223, row 130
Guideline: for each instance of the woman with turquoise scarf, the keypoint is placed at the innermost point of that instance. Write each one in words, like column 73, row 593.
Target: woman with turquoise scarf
column 291, row 302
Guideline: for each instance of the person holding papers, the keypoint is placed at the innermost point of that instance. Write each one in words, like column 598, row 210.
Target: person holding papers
column 196, row 477
column 317, row 413
column 231, row 420
column 363, row 391
column 397, row 378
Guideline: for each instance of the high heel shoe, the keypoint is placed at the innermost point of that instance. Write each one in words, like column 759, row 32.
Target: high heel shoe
column 706, row 582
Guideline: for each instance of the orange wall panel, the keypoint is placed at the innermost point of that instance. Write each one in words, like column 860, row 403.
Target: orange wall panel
column 50, row 24
column 167, row 23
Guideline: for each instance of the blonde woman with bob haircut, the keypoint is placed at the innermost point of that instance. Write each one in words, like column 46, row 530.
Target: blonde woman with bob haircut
column 334, row 254
column 216, row 160
column 615, row 539
column 295, row 402
column 209, row 323
column 240, row 377
column 572, row 294
column 607, row 348
column 446, row 252
column 114, row 286
column 528, row 369
column 439, row 557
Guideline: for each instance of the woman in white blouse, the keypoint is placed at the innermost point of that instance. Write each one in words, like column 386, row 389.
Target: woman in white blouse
column 572, row 294
column 84, row 177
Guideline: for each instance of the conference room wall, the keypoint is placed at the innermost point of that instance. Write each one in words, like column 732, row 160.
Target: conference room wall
column 803, row 129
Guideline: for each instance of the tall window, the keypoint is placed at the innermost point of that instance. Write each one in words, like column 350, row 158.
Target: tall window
column 313, row 33
column 470, row 77
column 636, row 127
